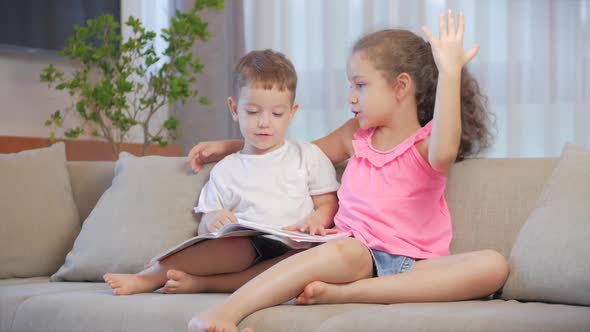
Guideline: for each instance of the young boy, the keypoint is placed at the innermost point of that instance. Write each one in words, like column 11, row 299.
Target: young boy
column 270, row 181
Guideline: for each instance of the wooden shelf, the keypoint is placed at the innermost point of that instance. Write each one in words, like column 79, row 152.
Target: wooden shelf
column 88, row 150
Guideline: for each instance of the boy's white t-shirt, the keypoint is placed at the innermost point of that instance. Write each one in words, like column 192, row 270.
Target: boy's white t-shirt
column 273, row 188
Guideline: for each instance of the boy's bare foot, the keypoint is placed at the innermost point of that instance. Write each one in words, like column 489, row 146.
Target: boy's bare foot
column 127, row 284
column 318, row 292
column 180, row 282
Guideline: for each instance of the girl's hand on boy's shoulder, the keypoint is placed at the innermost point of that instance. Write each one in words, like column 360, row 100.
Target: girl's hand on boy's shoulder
column 220, row 219
column 205, row 152
column 447, row 50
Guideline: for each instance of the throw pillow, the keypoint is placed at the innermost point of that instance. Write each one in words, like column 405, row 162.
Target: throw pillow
column 147, row 209
column 39, row 218
column 549, row 260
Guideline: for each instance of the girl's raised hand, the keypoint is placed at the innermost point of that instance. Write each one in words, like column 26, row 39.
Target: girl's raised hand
column 447, row 50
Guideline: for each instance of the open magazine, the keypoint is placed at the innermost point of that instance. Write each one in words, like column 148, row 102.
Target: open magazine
column 295, row 240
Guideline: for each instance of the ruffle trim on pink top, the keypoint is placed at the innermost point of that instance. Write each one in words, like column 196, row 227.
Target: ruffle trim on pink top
column 361, row 142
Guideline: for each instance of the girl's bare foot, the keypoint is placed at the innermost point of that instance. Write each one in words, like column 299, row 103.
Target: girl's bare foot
column 212, row 321
column 318, row 292
column 209, row 322
column 180, row 282
column 127, row 284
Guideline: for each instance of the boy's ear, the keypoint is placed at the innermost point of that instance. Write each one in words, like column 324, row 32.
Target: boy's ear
column 232, row 105
column 294, row 109
column 403, row 85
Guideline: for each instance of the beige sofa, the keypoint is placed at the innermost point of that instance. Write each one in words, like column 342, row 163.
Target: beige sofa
column 490, row 199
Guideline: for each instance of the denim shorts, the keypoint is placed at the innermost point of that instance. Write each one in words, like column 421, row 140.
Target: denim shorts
column 387, row 264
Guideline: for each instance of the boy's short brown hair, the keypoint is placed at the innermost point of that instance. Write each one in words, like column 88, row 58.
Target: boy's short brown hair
column 265, row 69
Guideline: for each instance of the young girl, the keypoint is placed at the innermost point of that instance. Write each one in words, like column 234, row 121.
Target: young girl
column 400, row 147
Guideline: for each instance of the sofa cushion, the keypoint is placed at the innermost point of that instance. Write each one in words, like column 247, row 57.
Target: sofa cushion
column 80, row 310
column 39, row 217
column 496, row 315
column 549, row 259
column 71, row 309
column 101, row 311
column 302, row 318
column 147, row 209
column 14, row 292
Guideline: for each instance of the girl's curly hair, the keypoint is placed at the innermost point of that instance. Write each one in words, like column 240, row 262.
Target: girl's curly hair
column 395, row 51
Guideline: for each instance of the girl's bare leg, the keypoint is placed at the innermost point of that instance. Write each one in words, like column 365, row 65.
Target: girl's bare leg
column 209, row 257
column 450, row 278
column 338, row 261
column 180, row 282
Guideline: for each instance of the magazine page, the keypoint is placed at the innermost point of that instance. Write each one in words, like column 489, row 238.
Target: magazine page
column 295, row 236
column 295, row 240
column 199, row 238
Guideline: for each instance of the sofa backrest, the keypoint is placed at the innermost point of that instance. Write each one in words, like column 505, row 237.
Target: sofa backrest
column 89, row 180
column 489, row 199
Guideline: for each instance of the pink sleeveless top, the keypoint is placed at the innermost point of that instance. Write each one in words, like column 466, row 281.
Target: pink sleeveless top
column 394, row 200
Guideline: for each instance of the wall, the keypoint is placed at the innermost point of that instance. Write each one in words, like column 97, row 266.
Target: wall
column 26, row 102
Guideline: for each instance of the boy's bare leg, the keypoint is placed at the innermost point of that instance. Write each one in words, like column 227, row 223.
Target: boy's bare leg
column 450, row 278
column 338, row 261
column 180, row 282
column 209, row 257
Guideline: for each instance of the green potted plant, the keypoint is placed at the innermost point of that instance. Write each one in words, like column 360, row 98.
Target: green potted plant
column 120, row 84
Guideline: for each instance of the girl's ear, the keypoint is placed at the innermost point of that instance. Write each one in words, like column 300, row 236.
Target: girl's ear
column 232, row 105
column 403, row 85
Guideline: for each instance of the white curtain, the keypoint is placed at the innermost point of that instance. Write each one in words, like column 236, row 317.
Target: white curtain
column 154, row 15
column 534, row 61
